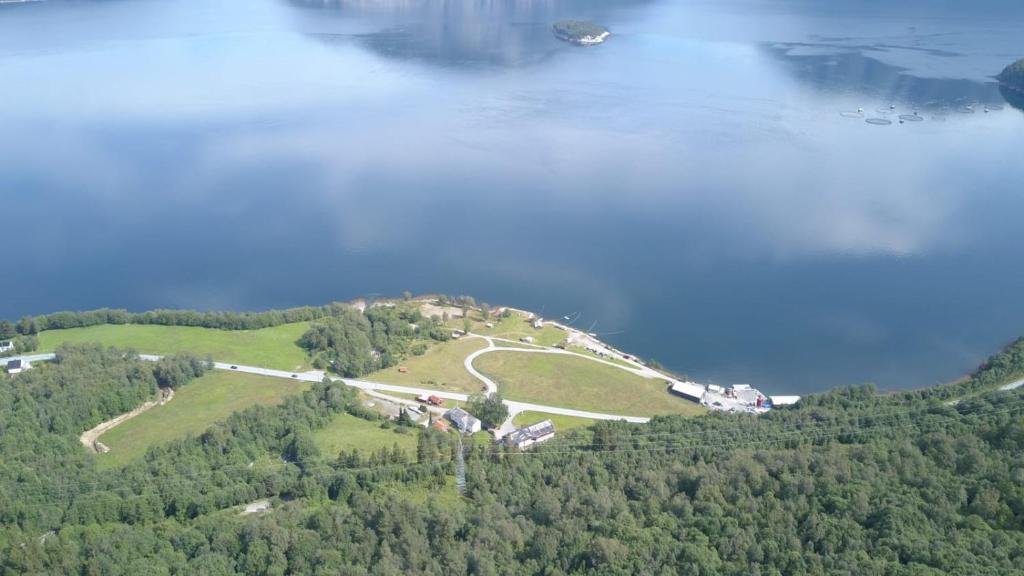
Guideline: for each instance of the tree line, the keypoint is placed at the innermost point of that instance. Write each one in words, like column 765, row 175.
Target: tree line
column 30, row 325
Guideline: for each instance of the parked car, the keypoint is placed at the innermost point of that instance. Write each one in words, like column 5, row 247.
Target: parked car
column 233, row 367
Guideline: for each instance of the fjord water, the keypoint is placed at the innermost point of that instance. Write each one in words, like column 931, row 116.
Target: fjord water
column 690, row 188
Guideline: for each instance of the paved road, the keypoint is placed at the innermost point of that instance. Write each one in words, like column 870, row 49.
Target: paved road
column 29, row 357
column 317, row 376
column 1013, row 385
column 489, row 385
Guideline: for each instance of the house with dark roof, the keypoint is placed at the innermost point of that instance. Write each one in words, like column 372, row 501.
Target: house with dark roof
column 18, row 365
column 464, row 421
column 6, row 345
column 529, row 435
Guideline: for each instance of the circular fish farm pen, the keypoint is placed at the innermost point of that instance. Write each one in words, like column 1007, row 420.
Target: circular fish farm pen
column 851, row 114
column 885, row 111
column 879, row 121
column 965, row 109
column 911, row 117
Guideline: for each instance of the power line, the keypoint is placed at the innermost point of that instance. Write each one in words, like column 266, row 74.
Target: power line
column 655, row 442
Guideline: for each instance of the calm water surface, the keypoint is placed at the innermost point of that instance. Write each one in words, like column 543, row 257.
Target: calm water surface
column 691, row 188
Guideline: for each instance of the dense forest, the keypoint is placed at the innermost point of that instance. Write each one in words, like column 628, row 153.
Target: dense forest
column 921, row 482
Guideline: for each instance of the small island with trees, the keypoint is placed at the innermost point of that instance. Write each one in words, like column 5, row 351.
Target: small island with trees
column 580, row 32
column 1013, row 76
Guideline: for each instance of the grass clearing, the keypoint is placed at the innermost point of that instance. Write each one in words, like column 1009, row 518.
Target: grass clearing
column 516, row 327
column 574, row 382
column 562, row 423
column 347, row 432
column 515, row 345
column 195, row 407
column 440, row 368
column 612, row 359
column 446, row 496
column 273, row 347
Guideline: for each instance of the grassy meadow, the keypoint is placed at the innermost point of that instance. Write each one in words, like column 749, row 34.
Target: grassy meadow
column 346, row 432
column 195, row 407
column 440, row 368
column 574, row 382
column 273, row 347
column 562, row 423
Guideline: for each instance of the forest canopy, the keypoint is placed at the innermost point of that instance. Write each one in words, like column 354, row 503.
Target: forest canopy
column 925, row 482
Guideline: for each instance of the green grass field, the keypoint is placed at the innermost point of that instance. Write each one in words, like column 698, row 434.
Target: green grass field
column 612, row 359
column 268, row 348
column 574, row 382
column 195, row 408
column 346, row 432
column 516, row 327
column 439, row 369
column 562, row 423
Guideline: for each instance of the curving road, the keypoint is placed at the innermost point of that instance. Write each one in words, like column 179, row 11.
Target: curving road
column 318, row 376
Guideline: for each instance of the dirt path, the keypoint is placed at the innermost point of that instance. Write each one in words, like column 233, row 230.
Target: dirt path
column 90, row 438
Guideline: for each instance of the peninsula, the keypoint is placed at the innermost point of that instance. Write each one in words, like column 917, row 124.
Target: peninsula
column 580, row 32
column 1013, row 76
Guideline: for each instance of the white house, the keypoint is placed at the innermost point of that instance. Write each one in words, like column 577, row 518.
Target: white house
column 464, row 421
column 784, row 400
column 15, row 366
column 529, row 435
column 6, row 346
column 538, row 323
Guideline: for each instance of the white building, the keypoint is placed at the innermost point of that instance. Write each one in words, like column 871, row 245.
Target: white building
column 689, row 390
column 6, row 346
column 538, row 323
column 784, row 400
column 530, row 435
column 464, row 421
column 745, row 393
